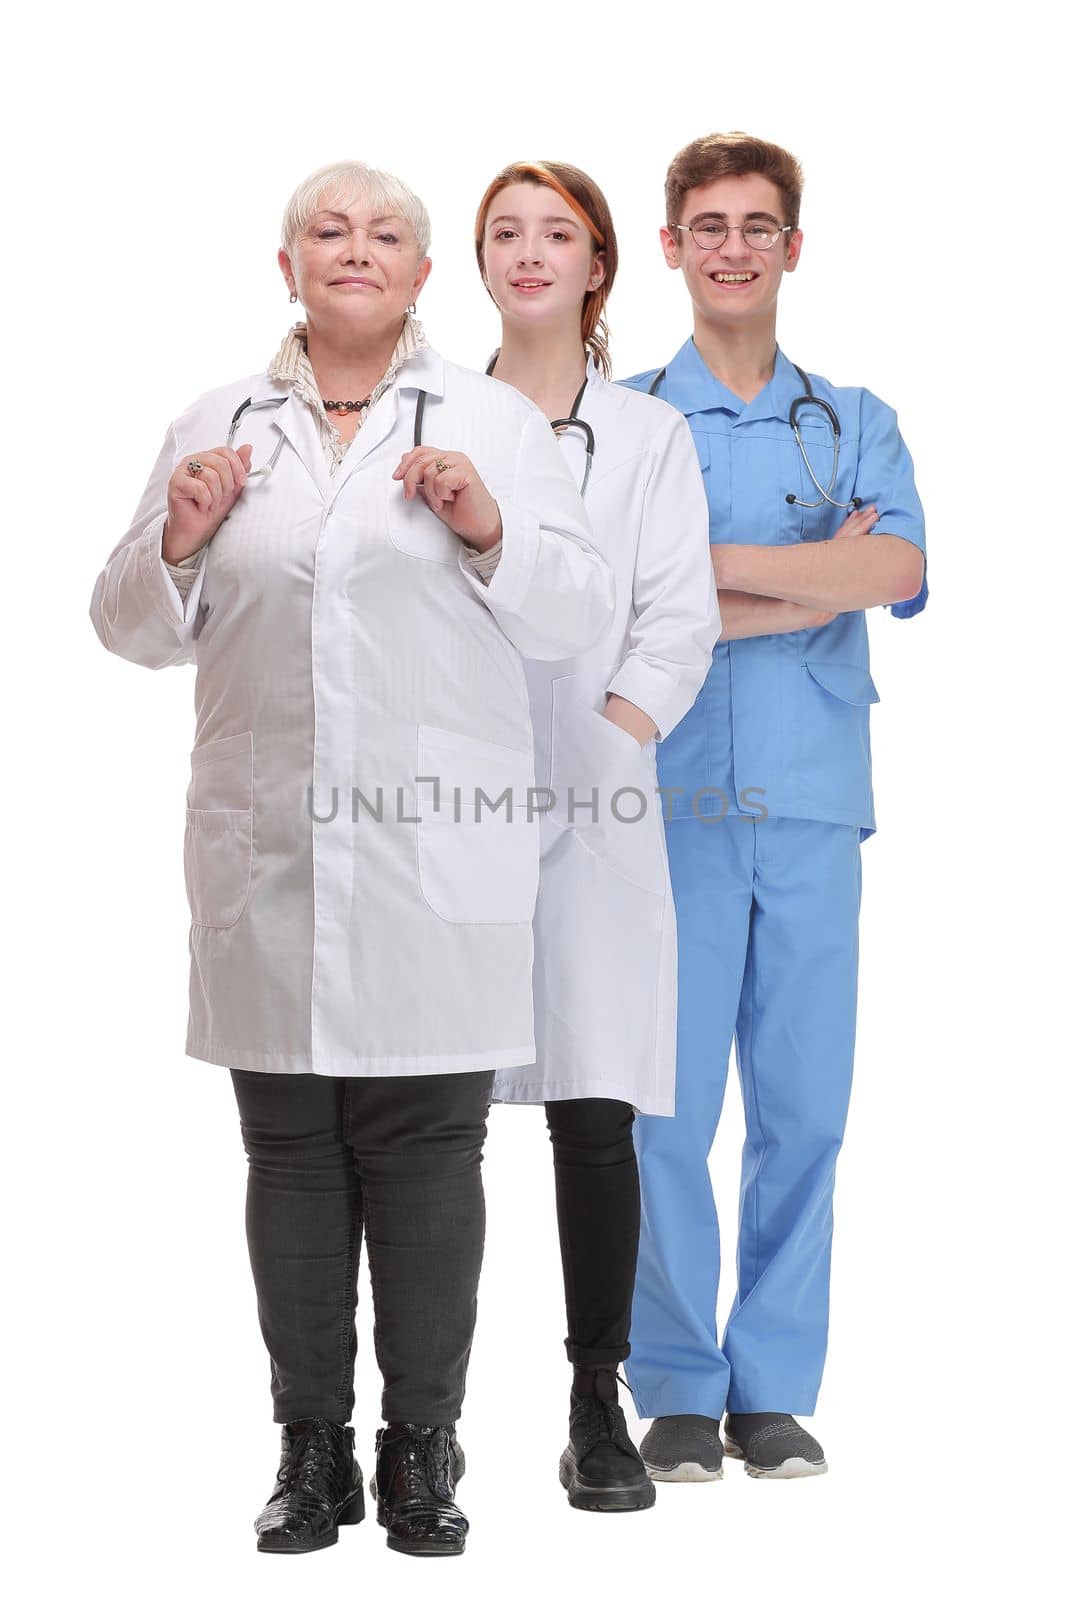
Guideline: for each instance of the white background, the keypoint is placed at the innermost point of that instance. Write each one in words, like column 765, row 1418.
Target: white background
column 149, row 155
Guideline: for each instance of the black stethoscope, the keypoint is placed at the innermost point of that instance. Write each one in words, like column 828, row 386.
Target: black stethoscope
column 808, row 398
column 563, row 423
column 249, row 405
column 558, row 427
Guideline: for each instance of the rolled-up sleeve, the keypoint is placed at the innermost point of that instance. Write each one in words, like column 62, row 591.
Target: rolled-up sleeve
column 137, row 609
column 886, row 478
column 676, row 621
column 552, row 592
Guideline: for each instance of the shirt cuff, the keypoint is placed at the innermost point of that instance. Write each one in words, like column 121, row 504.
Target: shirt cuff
column 485, row 562
column 654, row 691
column 170, row 584
column 183, row 573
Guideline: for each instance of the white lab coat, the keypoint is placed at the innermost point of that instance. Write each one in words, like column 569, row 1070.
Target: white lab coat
column 342, row 640
column 605, row 971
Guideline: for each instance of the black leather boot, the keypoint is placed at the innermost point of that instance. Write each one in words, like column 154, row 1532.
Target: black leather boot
column 601, row 1468
column 319, row 1487
column 414, row 1484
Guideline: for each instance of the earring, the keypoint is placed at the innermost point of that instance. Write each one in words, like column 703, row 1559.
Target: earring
column 292, row 299
column 411, row 309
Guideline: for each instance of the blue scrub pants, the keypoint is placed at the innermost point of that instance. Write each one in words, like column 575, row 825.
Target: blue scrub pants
column 768, row 933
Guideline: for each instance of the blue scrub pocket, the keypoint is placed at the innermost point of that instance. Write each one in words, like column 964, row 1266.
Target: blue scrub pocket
column 852, row 684
column 833, row 751
column 803, row 523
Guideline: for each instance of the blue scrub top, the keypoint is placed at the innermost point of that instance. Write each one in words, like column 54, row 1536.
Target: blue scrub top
column 781, row 726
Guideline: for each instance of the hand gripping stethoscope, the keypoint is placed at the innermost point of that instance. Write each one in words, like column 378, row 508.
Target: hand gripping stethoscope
column 558, row 427
column 250, row 405
column 563, row 423
column 808, row 398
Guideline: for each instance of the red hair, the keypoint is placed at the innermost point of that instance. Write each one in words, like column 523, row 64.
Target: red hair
column 587, row 201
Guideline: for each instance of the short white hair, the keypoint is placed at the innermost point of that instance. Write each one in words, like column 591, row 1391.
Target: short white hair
column 349, row 182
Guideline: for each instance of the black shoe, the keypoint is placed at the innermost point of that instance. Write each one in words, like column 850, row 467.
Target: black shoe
column 683, row 1449
column 414, row 1484
column 772, row 1444
column 319, row 1487
column 601, row 1469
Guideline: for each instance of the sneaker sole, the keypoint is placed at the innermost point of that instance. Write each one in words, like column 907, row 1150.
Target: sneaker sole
column 586, row 1496
column 791, row 1467
column 684, row 1472
column 273, row 1544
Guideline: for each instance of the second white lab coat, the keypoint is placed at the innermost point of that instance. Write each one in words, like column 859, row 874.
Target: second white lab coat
column 353, row 673
column 605, row 969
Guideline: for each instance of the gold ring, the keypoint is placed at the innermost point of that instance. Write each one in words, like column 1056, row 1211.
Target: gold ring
column 442, row 466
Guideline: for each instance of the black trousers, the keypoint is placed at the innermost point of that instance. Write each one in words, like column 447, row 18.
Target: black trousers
column 399, row 1161
column 598, row 1208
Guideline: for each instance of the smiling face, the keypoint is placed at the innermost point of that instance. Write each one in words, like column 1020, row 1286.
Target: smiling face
column 734, row 283
column 354, row 269
column 540, row 258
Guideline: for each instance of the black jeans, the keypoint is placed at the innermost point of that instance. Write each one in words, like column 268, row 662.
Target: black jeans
column 598, row 1207
column 396, row 1159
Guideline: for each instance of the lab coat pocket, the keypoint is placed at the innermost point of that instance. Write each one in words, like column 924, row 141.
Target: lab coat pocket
column 218, row 831
column 415, row 531
column 477, row 843
column 604, row 784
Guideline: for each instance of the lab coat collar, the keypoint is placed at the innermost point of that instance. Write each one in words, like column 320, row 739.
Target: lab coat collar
column 593, row 376
column 426, row 371
column 422, row 371
column 294, row 418
column 691, row 386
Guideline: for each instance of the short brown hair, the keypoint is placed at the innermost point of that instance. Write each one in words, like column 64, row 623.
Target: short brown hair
column 733, row 155
column 587, row 200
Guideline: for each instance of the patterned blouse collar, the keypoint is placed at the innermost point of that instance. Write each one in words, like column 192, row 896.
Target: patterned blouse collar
column 292, row 365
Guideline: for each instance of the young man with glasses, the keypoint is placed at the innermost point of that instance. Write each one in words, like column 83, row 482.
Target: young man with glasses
column 766, row 787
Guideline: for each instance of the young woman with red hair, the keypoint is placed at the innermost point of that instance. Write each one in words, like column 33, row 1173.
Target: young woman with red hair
column 605, row 957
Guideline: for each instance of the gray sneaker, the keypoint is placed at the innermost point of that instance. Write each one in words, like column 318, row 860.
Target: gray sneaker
column 772, row 1444
column 685, row 1449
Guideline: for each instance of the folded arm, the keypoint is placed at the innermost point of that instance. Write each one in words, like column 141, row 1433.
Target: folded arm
column 744, row 616
column 887, row 566
column 826, row 574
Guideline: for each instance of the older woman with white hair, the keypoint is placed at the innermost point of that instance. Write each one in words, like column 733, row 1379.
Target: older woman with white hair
column 356, row 572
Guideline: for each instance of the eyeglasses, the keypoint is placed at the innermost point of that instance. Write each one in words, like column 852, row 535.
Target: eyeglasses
column 710, row 235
